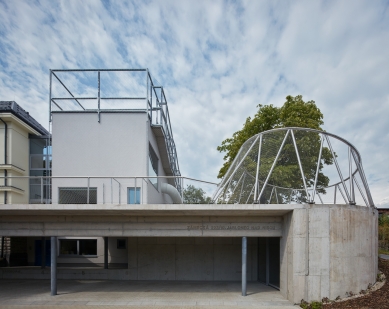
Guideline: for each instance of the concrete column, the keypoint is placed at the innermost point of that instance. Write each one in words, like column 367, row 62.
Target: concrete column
column 53, row 266
column 43, row 253
column 244, row 266
column 105, row 252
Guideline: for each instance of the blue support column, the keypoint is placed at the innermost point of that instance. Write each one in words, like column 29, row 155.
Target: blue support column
column 53, row 266
column 244, row 266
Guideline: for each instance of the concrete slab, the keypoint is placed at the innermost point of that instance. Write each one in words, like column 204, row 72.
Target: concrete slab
column 384, row 256
column 139, row 294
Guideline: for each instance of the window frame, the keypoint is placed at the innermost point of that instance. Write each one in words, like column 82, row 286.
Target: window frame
column 78, row 255
column 137, row 195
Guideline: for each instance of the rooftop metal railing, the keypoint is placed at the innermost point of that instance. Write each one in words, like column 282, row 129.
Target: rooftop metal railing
column 94, row 96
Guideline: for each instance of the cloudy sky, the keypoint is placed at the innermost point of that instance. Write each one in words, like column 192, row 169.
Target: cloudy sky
column 217, row 60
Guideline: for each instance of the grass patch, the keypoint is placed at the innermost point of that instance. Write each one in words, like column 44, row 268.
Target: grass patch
column 383, row 251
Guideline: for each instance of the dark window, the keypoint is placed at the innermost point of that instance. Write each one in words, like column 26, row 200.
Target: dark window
column 77, row 195
column 88, row 247
column 121, row 243
column 78, row 247
column 68, row 247
column 153, row 166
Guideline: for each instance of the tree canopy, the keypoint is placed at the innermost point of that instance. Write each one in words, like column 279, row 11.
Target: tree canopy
column 294, row 113
column 286, row 173
column 193, row 195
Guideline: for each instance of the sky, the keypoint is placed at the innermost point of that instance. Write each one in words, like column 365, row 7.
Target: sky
column 217, row 60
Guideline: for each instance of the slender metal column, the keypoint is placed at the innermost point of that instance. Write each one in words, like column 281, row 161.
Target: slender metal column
column 105, row 252
column 244, row 266
column 53, row 265
column 43, row 253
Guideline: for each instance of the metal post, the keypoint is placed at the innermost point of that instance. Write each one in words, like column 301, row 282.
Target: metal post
column 98, row 95
column 105, row 252
column 257, row 173
column 338, row 168
column 274, row 164
column 53, row 265
column 50, row 98
column 87, row 192
column 317, row 170
column 120, row 193
column 42, row 190
column 299, row 162
column 352, row 195
column 244, row 263
column 43, row 253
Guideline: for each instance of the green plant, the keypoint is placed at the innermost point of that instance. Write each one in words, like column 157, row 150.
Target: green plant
column 312, row 305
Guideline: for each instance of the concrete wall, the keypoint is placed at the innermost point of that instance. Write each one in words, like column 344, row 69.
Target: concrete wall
column 328, row 250
column 190, row 258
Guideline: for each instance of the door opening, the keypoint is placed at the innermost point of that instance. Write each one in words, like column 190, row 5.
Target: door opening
column 269, row 261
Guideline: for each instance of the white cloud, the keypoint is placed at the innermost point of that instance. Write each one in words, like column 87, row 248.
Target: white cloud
column 217, row 60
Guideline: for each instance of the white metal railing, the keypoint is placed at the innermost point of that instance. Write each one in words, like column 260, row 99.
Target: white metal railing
column 107, row 190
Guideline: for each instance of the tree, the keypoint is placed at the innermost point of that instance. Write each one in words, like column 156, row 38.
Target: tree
column 193, row 195
column 294, row 113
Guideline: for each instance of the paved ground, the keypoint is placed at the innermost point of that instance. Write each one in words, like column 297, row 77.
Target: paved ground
column 138, row 294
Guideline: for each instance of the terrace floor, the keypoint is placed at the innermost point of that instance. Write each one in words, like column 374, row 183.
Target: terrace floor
column 18, row 293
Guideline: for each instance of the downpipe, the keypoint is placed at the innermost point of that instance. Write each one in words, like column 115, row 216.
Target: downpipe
column 5, row 157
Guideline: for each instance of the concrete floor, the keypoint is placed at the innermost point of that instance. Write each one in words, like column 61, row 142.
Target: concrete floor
column 138, row 294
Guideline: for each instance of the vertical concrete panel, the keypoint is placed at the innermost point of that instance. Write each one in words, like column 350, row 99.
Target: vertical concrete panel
column 156, row 262
column 132, row 255
column 227, row 262
column 194, row 262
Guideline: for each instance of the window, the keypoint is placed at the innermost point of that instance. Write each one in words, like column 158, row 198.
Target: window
column 121, row 243
column 78, row 195
column 153, row 166
column 133, row 196
column 76, row 247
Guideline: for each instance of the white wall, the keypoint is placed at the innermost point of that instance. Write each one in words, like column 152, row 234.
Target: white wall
column 117, row 146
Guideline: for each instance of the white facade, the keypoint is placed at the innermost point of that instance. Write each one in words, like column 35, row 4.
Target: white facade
column 117, row 146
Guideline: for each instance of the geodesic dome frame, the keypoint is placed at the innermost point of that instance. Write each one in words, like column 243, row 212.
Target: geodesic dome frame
column 295, row 165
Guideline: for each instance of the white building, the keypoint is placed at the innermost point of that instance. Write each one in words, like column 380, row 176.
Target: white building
column 112, row 200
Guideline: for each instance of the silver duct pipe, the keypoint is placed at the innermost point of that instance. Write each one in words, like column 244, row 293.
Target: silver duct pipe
column 172, row 192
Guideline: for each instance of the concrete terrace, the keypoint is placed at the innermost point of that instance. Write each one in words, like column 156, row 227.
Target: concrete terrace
column 139, row 294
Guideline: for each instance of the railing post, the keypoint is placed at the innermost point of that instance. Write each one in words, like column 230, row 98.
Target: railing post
column 87, row 193
column 41, row 189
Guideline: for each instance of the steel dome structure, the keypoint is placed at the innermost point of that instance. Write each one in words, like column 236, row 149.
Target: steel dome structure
column 295, row 165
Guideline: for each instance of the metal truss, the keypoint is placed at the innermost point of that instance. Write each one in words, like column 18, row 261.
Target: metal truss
column 155, row 105
column 295, row 165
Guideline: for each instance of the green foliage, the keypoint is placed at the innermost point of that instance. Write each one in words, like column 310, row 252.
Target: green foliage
column 294, row 113
column 312, row 305
column 383, row 232
column 193, row 195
